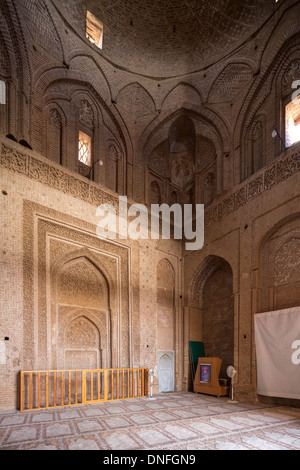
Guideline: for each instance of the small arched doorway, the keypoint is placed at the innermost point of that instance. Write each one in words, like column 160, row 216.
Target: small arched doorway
column 213, row 302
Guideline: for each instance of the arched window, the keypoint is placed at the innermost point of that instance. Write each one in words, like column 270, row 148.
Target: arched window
column 257, row 147
column 292, row 122
column 291, row 103
column 255, row 152
column 84, row 149
column 85, row 138
column 2, row 92
column 54, row 137
column 155, row 193
column 3, row 107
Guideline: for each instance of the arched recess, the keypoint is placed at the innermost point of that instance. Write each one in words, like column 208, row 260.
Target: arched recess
column 165, row 305
column 51, row 86
column 82, row 344
column 16, row 73
column 279, row 267
column 115, row 172
column 5, row 73
column 266, row 97
column 137, row 107
column 186, row 151
column 168, row 355
column 80, row 314
column 55, row 125
column 212, row 309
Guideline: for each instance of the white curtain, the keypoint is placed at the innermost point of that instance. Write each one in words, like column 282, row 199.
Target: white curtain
column 277, row 344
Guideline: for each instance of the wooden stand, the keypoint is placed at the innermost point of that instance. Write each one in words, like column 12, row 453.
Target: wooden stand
column 208, row 381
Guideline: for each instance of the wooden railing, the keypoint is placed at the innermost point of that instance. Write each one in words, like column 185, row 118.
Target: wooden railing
column 56, row 388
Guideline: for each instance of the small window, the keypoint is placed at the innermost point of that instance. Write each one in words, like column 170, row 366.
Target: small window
column 94, row 29
column 84, row 149
column 2, row 92
column 292, row 122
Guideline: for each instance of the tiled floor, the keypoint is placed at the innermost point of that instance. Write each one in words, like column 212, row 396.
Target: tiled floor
column 175, row 421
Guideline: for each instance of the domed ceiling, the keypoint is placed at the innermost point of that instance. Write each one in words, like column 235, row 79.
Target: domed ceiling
column 164, row 38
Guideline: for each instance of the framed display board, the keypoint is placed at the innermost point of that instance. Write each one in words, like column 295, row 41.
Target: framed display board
column 205, row 373
column 207, row 377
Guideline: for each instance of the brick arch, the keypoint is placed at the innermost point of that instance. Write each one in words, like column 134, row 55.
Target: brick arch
column 166, row 311
column 165, row 273
column 262, row 87
column 81, row 94
column 82, row 344
column 54, row 136
column 99, row 88
column 158, row 130
column 230, row 82
column 68, row 91
column 183, row 92
column 81, row 289
column 286, row 27
column 266, row 233
column 87, row 255
column 211, row 292
column 265, row 251
column 208, row 266
column 129, row 87
column 80, row 282
column 20, row 71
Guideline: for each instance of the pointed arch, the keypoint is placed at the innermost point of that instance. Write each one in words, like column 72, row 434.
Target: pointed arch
column 180, row 95
column 86, row 255
column 212, row 293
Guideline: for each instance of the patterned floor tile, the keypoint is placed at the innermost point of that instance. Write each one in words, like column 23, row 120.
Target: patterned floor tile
column 69, row 414
column 281, row 437
column 42, row 417
column 135, row 407
column 57, row 429
column 245, row 420
column 225, row 444
column 205, row 428
column 119, row 441
column 20, row 434
column 202, row 411
column 88, row 425
column 226, row 424
column 181, row 421
column 93, row 411
column 45, row 445
column 115, row 409
column 172, row 404
column 152, row 437
column 152, row 405
column 163, row 416
column 259, row 443
column 183, row 413
column 293, row 428
column 13, row 420
column 88, row 442
column 266, row 417
column 180, row 432
column 141, row 418
column 116, row 422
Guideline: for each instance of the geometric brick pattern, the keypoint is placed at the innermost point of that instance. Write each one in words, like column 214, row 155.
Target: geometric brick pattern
column 151, row 30
column 181, row 420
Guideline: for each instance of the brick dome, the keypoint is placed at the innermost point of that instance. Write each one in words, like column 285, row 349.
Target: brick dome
column 168, row 38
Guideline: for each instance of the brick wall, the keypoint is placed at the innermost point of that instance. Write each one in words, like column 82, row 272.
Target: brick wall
column 128, row 97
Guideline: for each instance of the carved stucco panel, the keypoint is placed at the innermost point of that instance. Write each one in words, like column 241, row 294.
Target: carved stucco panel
column 287, row 262
column 70, row 235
